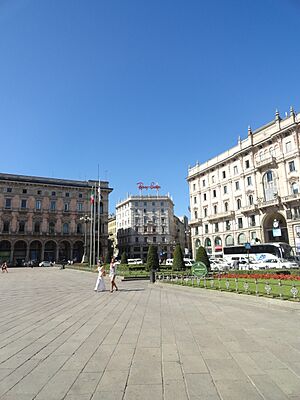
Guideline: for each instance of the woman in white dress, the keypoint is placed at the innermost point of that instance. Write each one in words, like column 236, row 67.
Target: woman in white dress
column 100, row 284
column 112, row 275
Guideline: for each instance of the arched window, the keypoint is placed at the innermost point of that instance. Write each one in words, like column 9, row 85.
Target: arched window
column 270, row 187
column 215, row 209
column 197, row 243
column 207, row 242
column 238, row 204
column 79, row 228
column 51, row 227
column 226, row 206
column 250, row 199
column 218, row 241
column 229, row 240
column 65, row 228
column 241, row 239
column 295, row 188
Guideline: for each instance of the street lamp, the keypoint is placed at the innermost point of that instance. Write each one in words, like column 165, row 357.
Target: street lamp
column 86, row 219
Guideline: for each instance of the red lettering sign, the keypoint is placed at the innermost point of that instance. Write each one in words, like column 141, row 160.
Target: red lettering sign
column 153, row 185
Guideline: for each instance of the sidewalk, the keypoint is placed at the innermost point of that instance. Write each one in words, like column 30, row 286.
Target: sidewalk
column 61, row 340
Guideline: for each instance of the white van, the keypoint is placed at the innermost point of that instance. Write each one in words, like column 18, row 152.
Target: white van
column 135, row 261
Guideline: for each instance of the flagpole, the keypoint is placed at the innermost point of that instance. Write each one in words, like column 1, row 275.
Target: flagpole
column 94, row 229
column 91, row 229
column 99, row 226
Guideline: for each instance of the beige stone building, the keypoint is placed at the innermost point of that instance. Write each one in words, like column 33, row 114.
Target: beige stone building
column 236, row 196
column 44, row 218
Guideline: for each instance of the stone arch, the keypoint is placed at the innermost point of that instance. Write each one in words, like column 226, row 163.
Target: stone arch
column 78, row 250
column 229, row 241
column 19, row 252
column 64, row 250
column 197, row 243
column 242, row 238
column 5, row 250
column 50, row 250
column 35, row 250
column 267, row 224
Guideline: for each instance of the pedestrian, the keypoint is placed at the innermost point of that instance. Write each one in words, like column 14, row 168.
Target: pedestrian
column 112, row 275
column 100, row 284
column 4, row 267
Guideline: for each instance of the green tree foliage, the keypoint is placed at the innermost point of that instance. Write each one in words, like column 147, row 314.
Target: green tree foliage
column 202, row 256
column 124, row 259
column 178, row 263
column 152, row 259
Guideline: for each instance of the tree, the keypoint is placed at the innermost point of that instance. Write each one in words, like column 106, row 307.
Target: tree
column 124, row 258
column 202, row 256
column 152, row 259
column 178, row 263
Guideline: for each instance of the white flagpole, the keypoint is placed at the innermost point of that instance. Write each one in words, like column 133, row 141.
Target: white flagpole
column 91, row 229
column 99, row 226
column 94, row 227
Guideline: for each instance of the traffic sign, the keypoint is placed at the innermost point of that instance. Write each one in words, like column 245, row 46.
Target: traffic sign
column 199, row 269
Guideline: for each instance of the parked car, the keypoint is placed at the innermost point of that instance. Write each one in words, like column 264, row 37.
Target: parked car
column 274, row 263
column 46, row 264
column 31, row 263
column 218, row 265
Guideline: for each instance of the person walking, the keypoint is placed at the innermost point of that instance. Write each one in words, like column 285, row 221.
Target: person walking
column 112, row 275
column 4, row 267
column 100, row 284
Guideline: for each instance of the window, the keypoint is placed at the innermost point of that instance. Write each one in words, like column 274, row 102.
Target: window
column 38, row 204
column 145, row 240
column 227, row 225
column 21, row 227
column 79, row 206
column 216, row 227
column 5, row 227
column 51, row 227
column 215, row 209
column 65, row 228
column 80, row 195
column 249, row 181
column 226, row 206
column 53, row 205
column 203, row 183
column 269, row 176
column 241, row 239
column 154, row 229
column 292, row 166
column 247, row 164
column 53, row 194
column 145, row 204
column 145, row 229
column 163, row 239
column 9, row 190
column 145, row 220
column 154, row 239
column 161, row 203
column 162, row 229
column 237, row 185
column 136, row 239
column 79, row 228
column 205, row 212
column 194, row 186
column 206, row 228
column 213, row 179
column 238, row 204
column 252, row 220
column 214, row 193
column 37, row 227
column 137, row 220
column 162, row 211
column 7, row 203
column 66, row 207
column 196, row 230
column 24, row 191
column 67, row 194
column 196, row 214
column 162, row 220
column 240, row 223
column 288, row 146
column 225, row 189
column 250, row 199
column 295, row 188
column 195, row 200
column 23, row 203
column 204, row 197
column 224, row 174
column 235, row 170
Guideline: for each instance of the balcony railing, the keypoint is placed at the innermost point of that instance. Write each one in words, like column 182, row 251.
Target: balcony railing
column 261, row 203
column 227, row 214
column 196, row 221
column 291, row 197
column 266, row 162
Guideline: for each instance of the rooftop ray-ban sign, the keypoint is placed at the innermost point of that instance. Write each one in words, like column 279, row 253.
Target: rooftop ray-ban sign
column 153, row 185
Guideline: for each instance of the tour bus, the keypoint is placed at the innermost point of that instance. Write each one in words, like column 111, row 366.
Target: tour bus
column 260, row 252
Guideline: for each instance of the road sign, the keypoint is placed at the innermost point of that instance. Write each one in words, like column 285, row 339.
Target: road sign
column 247, row 246
column 199, row 269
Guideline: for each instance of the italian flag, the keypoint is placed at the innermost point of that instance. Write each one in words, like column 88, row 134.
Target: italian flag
column 92, row 198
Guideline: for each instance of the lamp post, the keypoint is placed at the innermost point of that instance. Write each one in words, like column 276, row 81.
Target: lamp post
column 86, row 219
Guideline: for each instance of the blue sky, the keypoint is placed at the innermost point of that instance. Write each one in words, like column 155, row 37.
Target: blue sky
column 142, row 88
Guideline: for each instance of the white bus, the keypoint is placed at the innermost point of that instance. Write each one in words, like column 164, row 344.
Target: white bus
column 260, row 252
column 135, row 261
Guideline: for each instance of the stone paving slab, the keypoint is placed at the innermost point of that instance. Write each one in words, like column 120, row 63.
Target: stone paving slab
column 59, row 340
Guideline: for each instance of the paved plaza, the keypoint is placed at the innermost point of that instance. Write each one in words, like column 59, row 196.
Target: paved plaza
column 61, row 340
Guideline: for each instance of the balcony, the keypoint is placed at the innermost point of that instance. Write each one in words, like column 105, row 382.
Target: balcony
column 291, row 198
column 266, row 162
column 249, row 208
column 196, row 221
column 261, row 203
column 218, row 216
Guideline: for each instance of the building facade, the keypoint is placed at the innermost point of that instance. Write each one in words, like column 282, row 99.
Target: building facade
column 240, row 195
column 47, row 219
column 144, row 220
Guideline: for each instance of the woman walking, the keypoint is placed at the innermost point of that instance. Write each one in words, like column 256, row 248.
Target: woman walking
column 100, row 284
column 112, row 275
